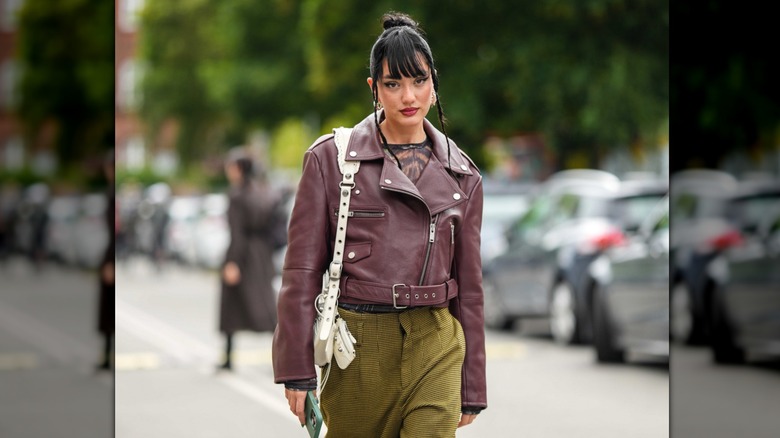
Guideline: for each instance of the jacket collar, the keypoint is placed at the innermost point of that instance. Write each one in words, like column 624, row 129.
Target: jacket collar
column 367, row 145
column 436, row 188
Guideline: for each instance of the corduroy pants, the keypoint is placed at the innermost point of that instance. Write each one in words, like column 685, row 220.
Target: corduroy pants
column 405, row 379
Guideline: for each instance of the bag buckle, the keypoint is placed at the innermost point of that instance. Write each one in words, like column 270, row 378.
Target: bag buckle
column 395, row 295
column 334, row 271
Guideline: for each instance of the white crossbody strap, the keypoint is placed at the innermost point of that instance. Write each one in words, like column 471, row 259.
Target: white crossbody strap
column 348, row 170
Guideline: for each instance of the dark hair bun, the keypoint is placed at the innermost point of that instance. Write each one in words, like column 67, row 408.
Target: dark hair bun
column 397, row 19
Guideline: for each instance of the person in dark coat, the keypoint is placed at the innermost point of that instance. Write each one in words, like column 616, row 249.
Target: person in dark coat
column 105, row 317
column 248, row 299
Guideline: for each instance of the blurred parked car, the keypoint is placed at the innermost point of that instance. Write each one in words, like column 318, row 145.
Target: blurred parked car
column 212, row 230
column 180, row 231
column 699, row 203
column 572, row 309
column 29, row 222
column 744, row 305
column 148, row 221
column 128, row 198
column 9, row 198
column 503, row 203
column 91, row 235
column 631, row 294
column 519, row 282
column 63, row 213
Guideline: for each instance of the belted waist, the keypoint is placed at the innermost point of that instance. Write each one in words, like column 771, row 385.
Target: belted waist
column 398, row 295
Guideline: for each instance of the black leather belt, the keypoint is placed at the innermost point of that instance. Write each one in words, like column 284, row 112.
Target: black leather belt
column 373, row 308
column 398, row 296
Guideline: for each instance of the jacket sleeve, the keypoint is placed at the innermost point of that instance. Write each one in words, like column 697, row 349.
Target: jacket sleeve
column 305, row 261
column 467, row 307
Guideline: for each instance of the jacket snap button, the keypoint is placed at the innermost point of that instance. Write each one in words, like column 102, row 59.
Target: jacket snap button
column 464, row 167
column 353, row 154
column 456, row 196
column 351, row 254
column 425, row 296
column 387, row 181
column 357, row 191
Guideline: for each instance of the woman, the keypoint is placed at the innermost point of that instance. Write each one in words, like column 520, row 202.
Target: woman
column 105, row 317
column 248, row 300
column 417, row 203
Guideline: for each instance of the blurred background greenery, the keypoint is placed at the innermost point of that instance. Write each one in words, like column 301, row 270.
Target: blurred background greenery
column 551, row 84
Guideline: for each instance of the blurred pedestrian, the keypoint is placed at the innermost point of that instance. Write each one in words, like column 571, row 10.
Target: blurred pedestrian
column 248, row 299
column 106, row 271
column 411, row 279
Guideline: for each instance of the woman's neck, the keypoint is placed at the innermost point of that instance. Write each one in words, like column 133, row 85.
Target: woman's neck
column 402, row 135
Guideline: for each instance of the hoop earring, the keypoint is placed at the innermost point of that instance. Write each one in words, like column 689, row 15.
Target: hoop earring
column 378, row 105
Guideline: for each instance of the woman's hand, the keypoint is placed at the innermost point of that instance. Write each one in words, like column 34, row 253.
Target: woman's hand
column 466, row 419
column 107, row 272
column 231, row 274
column 297, row 401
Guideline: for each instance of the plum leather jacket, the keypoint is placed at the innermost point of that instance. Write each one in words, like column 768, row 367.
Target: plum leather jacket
column 423, row 237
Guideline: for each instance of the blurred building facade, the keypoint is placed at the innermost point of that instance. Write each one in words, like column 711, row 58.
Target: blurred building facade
column 11, row 142
column 130, row 147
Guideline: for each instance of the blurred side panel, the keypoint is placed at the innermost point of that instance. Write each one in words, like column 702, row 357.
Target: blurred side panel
column 725, row 221
column 56, row 210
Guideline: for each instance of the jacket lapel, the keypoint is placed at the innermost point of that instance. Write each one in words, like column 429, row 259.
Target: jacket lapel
column 436, row 188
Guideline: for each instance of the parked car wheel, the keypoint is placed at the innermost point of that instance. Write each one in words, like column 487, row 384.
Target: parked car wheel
column 564, row 326
column 724, row 348
column 604, row 334
column 495, row 315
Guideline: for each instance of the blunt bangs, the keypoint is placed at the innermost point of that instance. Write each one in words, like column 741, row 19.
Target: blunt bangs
column 406, row 56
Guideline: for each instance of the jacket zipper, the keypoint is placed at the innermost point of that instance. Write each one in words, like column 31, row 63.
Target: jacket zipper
column 431, row 240
column 452, row 233
column 363, row 213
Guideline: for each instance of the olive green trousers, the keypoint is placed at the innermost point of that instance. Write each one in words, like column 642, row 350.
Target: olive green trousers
column 404, row 381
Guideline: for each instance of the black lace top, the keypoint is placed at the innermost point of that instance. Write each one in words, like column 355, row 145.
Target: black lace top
column 413, row 157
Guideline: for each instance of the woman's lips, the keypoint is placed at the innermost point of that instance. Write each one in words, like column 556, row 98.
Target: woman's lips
column 409, row 111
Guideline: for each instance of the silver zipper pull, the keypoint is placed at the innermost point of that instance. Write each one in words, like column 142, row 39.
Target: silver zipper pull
column 432, row 235
column 452, row 233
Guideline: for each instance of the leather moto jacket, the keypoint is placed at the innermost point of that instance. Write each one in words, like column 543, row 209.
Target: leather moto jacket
column 420, row 241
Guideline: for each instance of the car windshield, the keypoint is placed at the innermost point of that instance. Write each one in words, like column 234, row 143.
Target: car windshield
column 692, row 206
column 629, row 212
column 750, row 213
column 503, row 208
column 546, row 210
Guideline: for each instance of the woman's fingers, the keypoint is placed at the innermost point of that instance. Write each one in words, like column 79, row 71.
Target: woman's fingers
column 296, row 401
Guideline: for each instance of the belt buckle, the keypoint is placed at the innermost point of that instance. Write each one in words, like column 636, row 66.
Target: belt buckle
column 395, row 295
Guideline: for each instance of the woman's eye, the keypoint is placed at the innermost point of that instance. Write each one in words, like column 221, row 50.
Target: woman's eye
column 391, row 84
column 420, row 81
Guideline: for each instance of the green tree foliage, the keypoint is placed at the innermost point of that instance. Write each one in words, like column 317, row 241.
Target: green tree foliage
column 221, row 69
column 66, row 51
column 588, row 74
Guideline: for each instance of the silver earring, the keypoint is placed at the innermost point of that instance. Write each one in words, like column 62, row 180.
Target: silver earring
column 378, row 105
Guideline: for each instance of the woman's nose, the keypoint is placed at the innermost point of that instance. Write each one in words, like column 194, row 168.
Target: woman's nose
column 408, row 95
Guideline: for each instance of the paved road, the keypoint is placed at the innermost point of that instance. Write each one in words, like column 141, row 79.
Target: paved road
column 166, row 386
column 715, row 401
column 48, row 347
column 167, row 346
